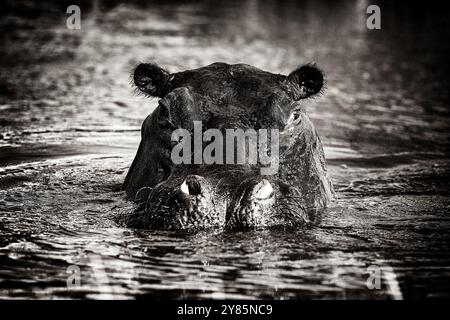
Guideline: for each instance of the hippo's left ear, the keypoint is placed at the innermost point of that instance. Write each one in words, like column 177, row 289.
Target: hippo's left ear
column 151, row 79
column 306, row 81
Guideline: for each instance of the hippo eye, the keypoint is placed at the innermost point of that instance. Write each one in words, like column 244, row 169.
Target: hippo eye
column 263, row 190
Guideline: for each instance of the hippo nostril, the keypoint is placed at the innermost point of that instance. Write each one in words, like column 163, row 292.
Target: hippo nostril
column 191, row 186
column 184, row 188
column 263, row 190
column 142, row 194
column 194, row 187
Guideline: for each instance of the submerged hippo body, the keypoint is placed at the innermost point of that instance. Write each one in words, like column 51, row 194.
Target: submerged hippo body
column 223, row 96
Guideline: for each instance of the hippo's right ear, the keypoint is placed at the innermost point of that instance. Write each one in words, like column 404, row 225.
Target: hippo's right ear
column 151, row 79
column 306, row 81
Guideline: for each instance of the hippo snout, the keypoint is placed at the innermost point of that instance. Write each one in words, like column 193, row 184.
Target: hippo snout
column 184, row 203
column 192, row 185
column 225, row 201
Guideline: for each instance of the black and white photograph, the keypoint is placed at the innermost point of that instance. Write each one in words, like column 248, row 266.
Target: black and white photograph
column 257, row 150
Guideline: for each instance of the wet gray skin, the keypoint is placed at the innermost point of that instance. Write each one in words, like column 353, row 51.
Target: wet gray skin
column 223, row 96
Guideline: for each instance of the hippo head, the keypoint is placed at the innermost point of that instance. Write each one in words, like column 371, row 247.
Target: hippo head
column 227, row 194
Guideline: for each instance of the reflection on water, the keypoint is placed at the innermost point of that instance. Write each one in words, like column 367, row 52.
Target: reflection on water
column 69, row 127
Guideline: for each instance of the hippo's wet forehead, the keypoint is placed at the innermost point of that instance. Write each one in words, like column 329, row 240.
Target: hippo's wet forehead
column 222, row 79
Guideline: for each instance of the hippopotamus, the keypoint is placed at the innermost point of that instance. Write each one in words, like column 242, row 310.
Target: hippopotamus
column 221, row 96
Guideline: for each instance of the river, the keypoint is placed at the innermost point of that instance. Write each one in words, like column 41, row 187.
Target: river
column 70, row 127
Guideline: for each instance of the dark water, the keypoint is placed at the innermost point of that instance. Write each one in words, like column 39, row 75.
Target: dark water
column 69, row 128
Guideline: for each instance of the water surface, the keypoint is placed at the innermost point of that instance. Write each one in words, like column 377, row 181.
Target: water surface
column 69, row 128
